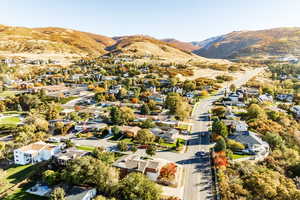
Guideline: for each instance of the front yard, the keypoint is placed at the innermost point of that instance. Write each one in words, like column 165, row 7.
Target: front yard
column 15, row 175
column 10, row 120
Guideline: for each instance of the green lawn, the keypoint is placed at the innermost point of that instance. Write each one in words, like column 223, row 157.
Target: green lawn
column 127, row 140
column 21, row 194
column 16, row 174
column 10, row 120
column 7, row 93
column 172, row 145
column 236, row 156
column 85, row 148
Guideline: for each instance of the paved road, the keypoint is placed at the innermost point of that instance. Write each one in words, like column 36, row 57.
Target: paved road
column 198, row 183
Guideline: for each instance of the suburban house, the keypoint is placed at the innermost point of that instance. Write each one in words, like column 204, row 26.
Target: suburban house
column 285, row 97
column 296, row 111
column 90, row 126
column 35, row 152
column 51, row 88
column 251, row 92
column 66, row 155
column 265, row 97
column 158, row 98
column 134, row 163
column 252, row 142
column 72, row 193
column 130, row 131
column 169, row 135
column 81, row 193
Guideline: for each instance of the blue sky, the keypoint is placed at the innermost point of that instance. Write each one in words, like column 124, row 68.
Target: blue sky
column 187, row 20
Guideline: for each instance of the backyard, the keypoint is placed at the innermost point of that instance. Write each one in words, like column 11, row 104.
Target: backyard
column 10, row 120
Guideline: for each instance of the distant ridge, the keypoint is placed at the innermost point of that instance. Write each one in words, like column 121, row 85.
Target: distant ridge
column 261, row 44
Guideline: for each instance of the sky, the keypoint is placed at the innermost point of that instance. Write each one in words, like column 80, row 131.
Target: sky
column 186, row 20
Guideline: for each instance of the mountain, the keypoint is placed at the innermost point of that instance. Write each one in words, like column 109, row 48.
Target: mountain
column 51, row 40
column 207, row 42
column 181, row 45
column 141, row 45
column 261, row 44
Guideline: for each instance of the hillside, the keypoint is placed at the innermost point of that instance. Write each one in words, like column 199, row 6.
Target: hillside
column 255, row 44
column 181, row 45
column 51, row 40
column 140, row 45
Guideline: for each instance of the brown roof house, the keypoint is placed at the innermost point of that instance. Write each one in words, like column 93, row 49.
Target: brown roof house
column 130, row 131
column 135, row 163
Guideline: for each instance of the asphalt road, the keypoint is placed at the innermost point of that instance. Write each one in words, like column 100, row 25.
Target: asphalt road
column 198, row 177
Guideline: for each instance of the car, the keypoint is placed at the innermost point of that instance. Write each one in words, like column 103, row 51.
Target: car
column 201, row 154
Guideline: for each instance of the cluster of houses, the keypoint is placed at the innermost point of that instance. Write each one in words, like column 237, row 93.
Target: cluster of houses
column 255, row 147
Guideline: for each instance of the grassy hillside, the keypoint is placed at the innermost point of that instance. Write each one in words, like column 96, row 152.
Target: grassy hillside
column 181, row 45
column 255, row 44
column 51, row 40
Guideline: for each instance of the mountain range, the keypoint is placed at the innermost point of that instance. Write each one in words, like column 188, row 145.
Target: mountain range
column 238, row 44
column 262, row 44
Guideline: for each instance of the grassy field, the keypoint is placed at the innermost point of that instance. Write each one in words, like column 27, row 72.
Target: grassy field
column 10, row 120
column 85, row 148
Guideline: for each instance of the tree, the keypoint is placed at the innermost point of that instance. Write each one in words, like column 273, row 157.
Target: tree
column 219, row 111
column 148, row 123
column 57, row 194
column 2, row 106
column 122, row 146
column 100, row 197
column 182, row 110
column 144, row 136
column 134, row 148
column 219, row 127
column 220, row 145
column 274, row 139
column 234, row 145
column 168, row 172
column 104, row 156
column 69, row 143
column 115, row 115
column 127, row 115
column 232, row 88
column 189, row 85
column 151, row 150
column 255, row 111
column 138, row 186
column 91, row 171
column 145, row 110
column 171, row 101
column 50, row 177
column 115, row 131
